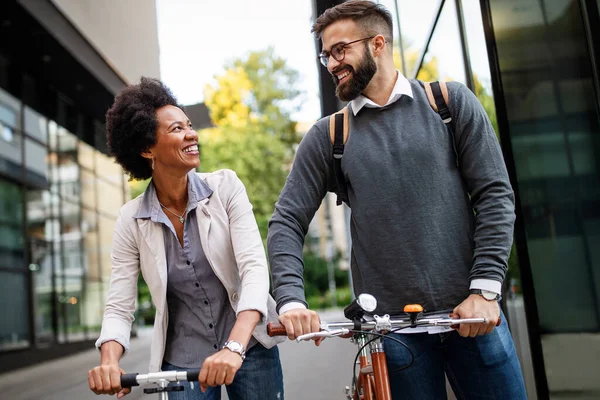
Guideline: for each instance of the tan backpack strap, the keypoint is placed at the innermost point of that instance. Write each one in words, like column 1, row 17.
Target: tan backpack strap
column 445, row 92
column 430, row 97
column 344, row 112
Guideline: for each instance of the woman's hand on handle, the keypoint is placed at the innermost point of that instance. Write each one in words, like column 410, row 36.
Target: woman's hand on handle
column 106, row 379
column 475, row 306
column 219, row 369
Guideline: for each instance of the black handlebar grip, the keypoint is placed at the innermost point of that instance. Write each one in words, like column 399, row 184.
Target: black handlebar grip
column 276, row 329
column 128, row 380
column 192, row 375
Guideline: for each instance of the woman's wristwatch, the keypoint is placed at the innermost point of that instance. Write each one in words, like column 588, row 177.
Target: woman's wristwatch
column 236, row 347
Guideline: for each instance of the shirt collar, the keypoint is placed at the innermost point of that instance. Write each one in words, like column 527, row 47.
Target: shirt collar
column 197, row 190
column 402, row 87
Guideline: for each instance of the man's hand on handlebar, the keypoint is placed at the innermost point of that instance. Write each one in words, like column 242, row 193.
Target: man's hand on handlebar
column 106, row 379
column 475, row 306
column 300, row 321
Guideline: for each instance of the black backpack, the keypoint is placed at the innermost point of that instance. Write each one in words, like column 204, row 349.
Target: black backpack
column 437, row 94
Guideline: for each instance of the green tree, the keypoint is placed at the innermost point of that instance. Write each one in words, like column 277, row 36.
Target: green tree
column 487, row 101
column 250, row 105
column 138, row 187
column 428, row 71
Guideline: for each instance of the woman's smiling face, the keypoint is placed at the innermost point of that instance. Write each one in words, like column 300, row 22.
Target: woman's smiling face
column 176, row 141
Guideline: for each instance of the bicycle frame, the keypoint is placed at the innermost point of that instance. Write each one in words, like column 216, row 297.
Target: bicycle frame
column 373, row 375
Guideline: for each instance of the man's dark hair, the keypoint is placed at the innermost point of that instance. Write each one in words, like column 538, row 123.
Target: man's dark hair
column 131, row 124
column 372, row 18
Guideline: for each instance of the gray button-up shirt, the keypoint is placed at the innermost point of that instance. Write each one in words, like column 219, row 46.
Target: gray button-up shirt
column 200, row 315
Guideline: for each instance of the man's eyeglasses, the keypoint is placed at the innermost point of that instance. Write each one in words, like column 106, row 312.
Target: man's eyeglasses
column 338, row 52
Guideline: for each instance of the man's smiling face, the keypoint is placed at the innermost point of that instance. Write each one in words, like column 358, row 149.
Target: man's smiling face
column 351, row 75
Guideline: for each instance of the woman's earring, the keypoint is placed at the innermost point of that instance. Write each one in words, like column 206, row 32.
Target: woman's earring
column 152, row 163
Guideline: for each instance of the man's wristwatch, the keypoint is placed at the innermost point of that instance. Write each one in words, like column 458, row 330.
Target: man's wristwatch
column 236, row 347
column 487, row 294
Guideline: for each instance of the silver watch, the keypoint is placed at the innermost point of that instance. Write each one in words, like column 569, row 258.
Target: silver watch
column 487, row 294
column 236, row 347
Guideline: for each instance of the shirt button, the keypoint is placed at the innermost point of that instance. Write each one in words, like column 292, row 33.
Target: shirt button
column 205, row 302
column 197, row 284
column 215, row 346
column 210, row 326
column 188, row 262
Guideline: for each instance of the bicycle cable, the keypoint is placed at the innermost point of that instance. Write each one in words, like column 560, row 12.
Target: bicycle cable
column 377, row 336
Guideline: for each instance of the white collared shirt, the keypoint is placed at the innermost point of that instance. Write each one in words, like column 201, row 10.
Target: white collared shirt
column 402, row 87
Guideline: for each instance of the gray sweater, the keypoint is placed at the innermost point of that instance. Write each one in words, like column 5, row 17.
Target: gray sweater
column 421, row 228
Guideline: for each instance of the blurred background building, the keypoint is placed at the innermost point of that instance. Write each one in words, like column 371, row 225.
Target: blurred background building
column 534, row 66
column 61, row 62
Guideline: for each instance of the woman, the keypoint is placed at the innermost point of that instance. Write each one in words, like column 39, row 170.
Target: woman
column 196, row 242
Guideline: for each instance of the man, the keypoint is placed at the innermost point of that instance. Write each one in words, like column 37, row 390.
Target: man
column 423, row 231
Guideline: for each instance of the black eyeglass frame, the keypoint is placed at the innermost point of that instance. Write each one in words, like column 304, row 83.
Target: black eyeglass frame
column 323, row 56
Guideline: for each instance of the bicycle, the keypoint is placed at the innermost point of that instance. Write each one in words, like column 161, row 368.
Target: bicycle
column 162, row 380
column 372, row 381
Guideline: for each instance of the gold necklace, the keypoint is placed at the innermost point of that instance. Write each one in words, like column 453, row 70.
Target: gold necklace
column 175, row 214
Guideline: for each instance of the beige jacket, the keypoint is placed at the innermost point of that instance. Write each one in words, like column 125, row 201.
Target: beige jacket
column 233, row 248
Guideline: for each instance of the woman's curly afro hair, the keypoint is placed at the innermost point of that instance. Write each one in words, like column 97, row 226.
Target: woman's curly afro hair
column 131, row 124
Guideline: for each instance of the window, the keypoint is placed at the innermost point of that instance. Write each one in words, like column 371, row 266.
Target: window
column 12, row 253
column 40, row 234
column 14, row 331
column 443, row 60
column 416, row 21
column 35, row 125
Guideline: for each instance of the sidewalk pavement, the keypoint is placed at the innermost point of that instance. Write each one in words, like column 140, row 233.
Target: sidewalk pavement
column 66, row 378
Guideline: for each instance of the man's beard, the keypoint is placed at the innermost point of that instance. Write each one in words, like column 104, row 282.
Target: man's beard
column 359, row 79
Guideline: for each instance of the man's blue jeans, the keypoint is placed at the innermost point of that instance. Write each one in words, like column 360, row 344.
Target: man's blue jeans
column 484, row 367
column 260, row 377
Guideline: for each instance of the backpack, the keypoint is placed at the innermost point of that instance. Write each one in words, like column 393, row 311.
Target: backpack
column 437, row 94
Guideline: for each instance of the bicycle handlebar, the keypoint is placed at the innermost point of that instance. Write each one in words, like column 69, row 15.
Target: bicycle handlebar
column 342, row 328
column 135, row 379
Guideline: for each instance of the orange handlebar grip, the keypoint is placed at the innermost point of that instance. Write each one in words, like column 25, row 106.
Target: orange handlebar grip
column 410, row 308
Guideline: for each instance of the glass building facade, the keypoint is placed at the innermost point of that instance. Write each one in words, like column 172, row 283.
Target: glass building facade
column 59, row 196
column 533, row 65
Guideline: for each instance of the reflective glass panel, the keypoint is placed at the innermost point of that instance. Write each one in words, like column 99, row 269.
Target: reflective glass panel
column 85, row 155
column 14, row 330
column 108, row 169
column 110, row 197
column 12, row 250
column 550, row 98
column 36, row 125
column 11, row 144
column 68, row 169
column 88, row 188
column 39, row 231
column 35, row 162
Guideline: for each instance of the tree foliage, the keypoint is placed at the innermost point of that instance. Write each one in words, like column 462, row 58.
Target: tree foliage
column 250, row 105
